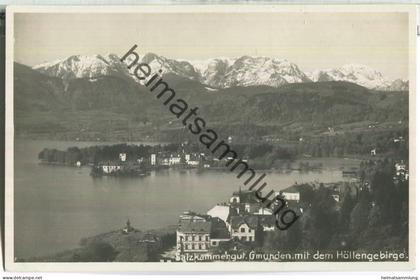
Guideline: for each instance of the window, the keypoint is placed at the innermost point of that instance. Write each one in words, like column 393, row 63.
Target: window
column 214, row 243
column 198, row 238
column 207, row 238
column 250, row 238
column 249, row 230
column 243, row 238
column 203, row 247
column 242, row 230
column 196, row 246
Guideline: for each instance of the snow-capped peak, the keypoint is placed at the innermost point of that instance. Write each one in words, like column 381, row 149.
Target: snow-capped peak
column 202, row 65
column 178, row 67
column 249, row 70
column 83, row 66
column 358, row 74
column 220, row 72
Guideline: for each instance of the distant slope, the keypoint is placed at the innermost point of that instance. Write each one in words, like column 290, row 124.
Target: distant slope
column 323, row 104
column 35, row 91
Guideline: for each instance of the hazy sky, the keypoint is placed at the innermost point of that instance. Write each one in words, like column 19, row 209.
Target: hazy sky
column 311, row 40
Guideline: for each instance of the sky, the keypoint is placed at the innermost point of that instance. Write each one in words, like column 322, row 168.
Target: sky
column 311, row 40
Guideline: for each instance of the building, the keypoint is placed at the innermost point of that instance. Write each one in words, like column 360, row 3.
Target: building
column 268, row 222
column 192, row 159
column 163, row 159
column 245, row 196
column 401, row 171
column 290, row 196
column 193, row 233
column 249, row 207
column 243, row 220
column 336, row 197
column 223, row 212
column 247, row 203
column 197, row 234
column 243, row 228
column 262, row 211
column 373, row 152
column 110, row 167
column 123, row 157
column 219, row 233
column 399, row 139
column 400, row 167
column 164, row 162
column 128, row 228
column 235, row 198
column 153, row 159
column 174, row 160
column 193, row 162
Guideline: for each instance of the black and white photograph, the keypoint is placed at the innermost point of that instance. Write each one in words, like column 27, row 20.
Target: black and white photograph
column 216, row 138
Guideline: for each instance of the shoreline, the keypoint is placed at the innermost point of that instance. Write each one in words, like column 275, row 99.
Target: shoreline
column 134, row 245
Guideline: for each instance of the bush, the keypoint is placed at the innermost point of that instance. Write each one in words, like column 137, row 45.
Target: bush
column 96, row 252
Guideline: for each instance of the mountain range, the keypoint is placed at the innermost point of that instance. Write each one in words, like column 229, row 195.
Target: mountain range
column 221, row 73
column 93, row 98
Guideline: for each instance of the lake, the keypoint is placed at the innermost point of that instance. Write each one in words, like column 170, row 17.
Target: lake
column 55, row 206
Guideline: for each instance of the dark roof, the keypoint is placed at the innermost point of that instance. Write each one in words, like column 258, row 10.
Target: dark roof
column 250, row 220
column 219, row 229
column 292, row 204
column 267, row 220
column 194, row 226
column 241, row 208
column 118, row 162
column 247, row 196
column 110, row 162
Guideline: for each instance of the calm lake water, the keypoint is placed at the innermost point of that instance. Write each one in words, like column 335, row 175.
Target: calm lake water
column 56, row 206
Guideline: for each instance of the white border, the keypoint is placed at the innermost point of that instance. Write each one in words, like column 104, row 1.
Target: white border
column 202, row 267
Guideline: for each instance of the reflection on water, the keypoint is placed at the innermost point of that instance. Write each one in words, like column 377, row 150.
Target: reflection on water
column 56, row 206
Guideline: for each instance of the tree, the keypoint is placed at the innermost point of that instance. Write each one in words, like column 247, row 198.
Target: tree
column 359, row 214
column 346, row 209
column 96, row 251
column 324, row 218
column 385, row 196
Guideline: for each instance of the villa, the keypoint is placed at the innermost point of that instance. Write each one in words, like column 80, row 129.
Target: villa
column 242, row 220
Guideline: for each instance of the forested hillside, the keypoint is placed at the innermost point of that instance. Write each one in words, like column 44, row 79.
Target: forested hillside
column 116, row 108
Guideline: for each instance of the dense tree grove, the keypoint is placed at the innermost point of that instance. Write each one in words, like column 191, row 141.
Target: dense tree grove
column 370, row 216
column 95, row 252
column 261, row 154
column 95, row 154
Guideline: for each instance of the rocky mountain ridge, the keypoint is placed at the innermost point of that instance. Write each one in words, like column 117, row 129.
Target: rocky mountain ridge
column 221, row 73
